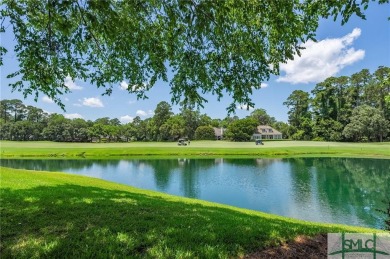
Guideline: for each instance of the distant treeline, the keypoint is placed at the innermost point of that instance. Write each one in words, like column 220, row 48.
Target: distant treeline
column 23, row 123
column 355, row 108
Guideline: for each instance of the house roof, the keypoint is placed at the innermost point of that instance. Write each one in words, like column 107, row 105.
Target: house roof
column 268, row 130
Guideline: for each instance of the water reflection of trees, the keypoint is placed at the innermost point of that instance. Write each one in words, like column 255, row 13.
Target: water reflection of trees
column 55, row 164
column 372, row 178
column 356, row 179
column 349, row 186
column 371, row 175
column 162, row 169
column 301, row 178
column 342, row 186
column 189, row 170
column 258, row 162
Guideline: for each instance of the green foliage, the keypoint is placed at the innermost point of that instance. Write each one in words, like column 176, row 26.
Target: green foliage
column 262, row 117
column 303, row 132
column 173, row 128
column 328, row 129
column 20, row 122
column 210, row 46
column 241, row 130
column 367, row 122
column 162, row 113
column 298, row 135
column 191, row 120
column 381, row 90
column 387, row 99
column 326, row 116
column 205, row 133
column 387, row 213
column 283, row 128
column 298, row 104
column 329, row 112
column 12, row 110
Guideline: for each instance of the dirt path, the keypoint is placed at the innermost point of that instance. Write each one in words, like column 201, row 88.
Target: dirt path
column 301, row 247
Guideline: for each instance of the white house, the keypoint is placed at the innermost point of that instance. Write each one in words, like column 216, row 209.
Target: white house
column 266, row 132
column 219, row 133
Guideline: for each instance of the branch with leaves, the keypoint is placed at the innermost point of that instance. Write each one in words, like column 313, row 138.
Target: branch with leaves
column 217, row 47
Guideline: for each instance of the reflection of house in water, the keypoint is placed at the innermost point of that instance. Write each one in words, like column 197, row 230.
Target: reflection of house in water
column 218, row 161
column 267, row 161
column 182, row 161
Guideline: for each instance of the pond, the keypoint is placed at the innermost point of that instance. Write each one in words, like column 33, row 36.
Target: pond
column 335, row 190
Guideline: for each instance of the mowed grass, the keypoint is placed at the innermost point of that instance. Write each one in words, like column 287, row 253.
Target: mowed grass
column 11, row 149
column 52, row 215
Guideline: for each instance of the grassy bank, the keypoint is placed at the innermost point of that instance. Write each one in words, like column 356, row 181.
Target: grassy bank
column 10, row 149
column 55, row 215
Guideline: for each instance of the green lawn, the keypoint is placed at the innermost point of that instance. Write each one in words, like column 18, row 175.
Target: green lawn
column 54, row 215
column 10, row 149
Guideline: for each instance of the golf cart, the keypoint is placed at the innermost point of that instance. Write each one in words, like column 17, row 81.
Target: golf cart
column 182, row 142
column 259, row 142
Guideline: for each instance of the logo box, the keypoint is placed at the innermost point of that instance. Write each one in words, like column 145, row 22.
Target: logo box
column 359, row 245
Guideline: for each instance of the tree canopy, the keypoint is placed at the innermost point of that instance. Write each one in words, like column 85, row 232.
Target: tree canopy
column 345, row 108
column 199, row 46
column 341, row 106
column 22, row 123
column 366, row 122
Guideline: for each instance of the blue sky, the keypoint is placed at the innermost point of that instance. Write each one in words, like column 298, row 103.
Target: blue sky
column 339, row 50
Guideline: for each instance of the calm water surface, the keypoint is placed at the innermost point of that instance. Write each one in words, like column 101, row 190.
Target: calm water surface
column 337, row 190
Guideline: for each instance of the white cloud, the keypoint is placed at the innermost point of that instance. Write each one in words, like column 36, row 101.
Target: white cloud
column 123, row 85
column 244, row 107
column 262, row 85
column 140, row 87
column 92, row 102
column 47, row 112
column 126, row 119
column 150, row 112
column 141, row 113
column 46, row 99
column 323, row 59
column 71, row 84
column 73, row 116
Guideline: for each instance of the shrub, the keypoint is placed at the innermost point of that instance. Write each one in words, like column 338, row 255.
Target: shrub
column 205, row 133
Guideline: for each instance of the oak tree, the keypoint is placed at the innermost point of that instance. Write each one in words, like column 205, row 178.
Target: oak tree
column 199, row 46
